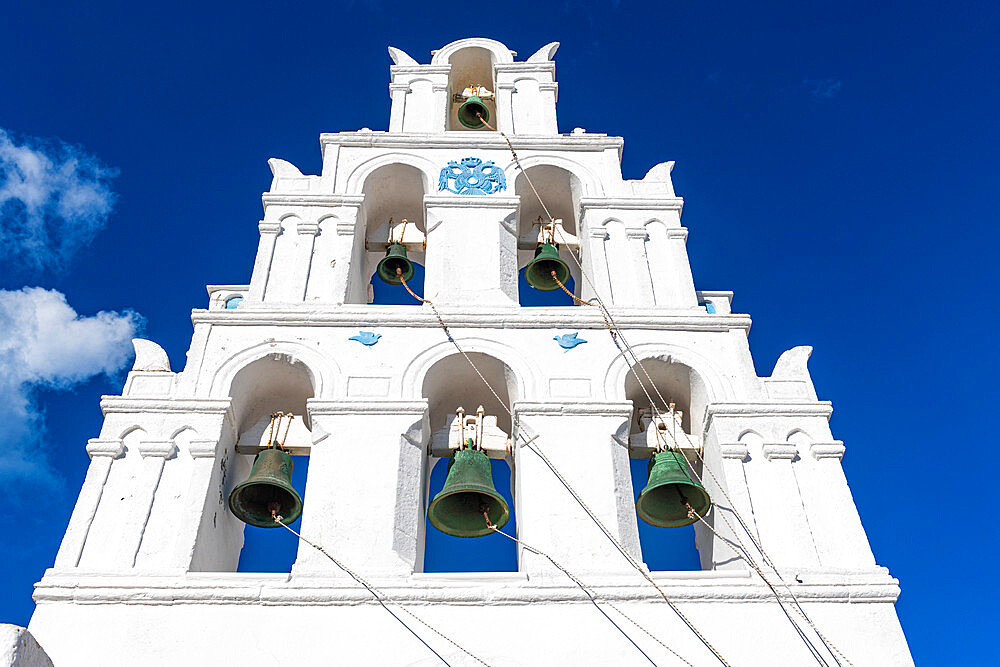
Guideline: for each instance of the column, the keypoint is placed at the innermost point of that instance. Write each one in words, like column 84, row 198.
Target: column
column 585, row 442
column 733, row 457
column 595, row 263
column 193, row 507
column 643, row 292
column 781, row 518
column 842, row 542
column 154, row 454
column 485, row 275
column 682, row 288
column 269, row 231
column 364, row 495
column 102, row 454
column 306, row 240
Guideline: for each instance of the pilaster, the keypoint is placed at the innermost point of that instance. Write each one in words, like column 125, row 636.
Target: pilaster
column 364, row 495
column 587, row 444
column 471, row 250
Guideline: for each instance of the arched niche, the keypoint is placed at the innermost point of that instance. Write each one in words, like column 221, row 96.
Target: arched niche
column 274, row 383
column 452, row 382
column 471, row 66
column 393, row 193
column 657, row 382
column 561, row 190
column 668, row 381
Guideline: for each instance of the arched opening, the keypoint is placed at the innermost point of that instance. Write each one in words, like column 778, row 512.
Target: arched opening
column 561, row 191
column 679, row 397
column 452, row 383
column 393, row 213
column 275, row 383
column 471, row 67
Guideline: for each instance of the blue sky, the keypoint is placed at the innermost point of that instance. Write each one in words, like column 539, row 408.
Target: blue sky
column 838, row 163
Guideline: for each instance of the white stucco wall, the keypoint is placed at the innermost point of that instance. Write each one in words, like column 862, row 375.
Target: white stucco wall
column 152, row 547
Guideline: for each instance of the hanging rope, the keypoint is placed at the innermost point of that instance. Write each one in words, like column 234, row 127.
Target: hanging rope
column 381, row 598
column 616, row 333
column 594, row 597
column 516, row 422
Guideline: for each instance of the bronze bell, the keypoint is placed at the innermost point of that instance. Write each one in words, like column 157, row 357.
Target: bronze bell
column 662, row 502
column 468, row 491
column 538, row 272
column 471, row 110
column 269, row 487
column 395, row 258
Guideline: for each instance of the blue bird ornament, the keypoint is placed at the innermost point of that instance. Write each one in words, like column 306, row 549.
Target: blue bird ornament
column 366, row 338
column 568, row 341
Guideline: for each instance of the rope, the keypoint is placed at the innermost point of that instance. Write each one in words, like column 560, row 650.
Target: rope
column 514, row 419
column 381, row 598
column 797, row 608
column 594, row 597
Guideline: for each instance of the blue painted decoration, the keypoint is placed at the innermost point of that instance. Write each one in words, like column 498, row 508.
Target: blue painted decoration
column 366, row 338
column 568, row 341
column 233, row 302
column 709, row 307
column 472, row 176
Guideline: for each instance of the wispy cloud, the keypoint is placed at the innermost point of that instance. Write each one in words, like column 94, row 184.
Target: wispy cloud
column 822, row 89
column 44, row 343
column 54, row 198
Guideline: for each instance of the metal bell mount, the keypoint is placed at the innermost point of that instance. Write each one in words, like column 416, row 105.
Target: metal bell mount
column 268, row 491
column 468, row 491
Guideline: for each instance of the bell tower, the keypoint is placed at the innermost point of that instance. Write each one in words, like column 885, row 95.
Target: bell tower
column 479, row 327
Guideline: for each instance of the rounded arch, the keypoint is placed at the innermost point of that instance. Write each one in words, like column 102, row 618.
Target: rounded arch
column 129, row 430
column 590, row 184
column 356, row 179
column 322, row 370
column 526, row 376
column 182, row 429
column 709, row 381
column 798, row 436
column 498, row 52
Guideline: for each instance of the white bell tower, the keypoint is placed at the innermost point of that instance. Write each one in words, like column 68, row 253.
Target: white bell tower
column 637, row 362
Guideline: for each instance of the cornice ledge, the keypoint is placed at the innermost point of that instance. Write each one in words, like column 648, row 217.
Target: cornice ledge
column 416, row 316
column 84, row 588
column 471, row 201
column 112, row 404
column 633, row 203
column 548, row 66
column 419, row 69
column 582, row 142
column 365, row 407
column 585, row 408
column 270, row 199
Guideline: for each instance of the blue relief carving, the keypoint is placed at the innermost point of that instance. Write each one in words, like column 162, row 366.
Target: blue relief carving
column 366, row 338
column 472, row 176
column 568, row 341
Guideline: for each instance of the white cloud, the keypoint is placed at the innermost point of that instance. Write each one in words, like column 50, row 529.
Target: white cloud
column 822, row 89
column 54, row 198
column 44, row 343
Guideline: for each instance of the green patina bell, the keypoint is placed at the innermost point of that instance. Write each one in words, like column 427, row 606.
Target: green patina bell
column 268, row 486
column 661, row 503
column 458, row 509
column 395, row 258
column 469, row 112
column 538, row 273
